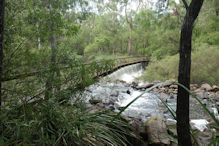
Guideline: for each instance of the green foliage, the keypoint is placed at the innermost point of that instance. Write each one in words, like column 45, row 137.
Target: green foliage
column 86, row 45
column 50, row 123
column 162, row 70
column 204, row 67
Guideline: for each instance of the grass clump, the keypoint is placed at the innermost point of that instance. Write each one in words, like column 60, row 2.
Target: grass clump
column 49, row 123
column 204, row 67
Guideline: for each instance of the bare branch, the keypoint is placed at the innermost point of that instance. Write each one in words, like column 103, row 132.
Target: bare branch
column 185, row 4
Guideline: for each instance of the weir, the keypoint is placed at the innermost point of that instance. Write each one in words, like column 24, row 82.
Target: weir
column 142, row 63
column 127, row 73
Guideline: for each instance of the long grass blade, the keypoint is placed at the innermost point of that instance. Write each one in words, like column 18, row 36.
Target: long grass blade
column 204, row 107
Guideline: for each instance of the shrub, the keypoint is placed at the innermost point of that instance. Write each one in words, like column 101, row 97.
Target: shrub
column 204, row 67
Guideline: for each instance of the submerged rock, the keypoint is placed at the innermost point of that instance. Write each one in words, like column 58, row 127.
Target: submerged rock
column 95, row 101
column 115, row 93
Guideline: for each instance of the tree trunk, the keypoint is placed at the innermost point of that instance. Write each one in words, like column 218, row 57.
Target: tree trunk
column 50, row 80
column 182, row 111
column 130, row 40
column 38, row 38
column 2, row 10
column 216, row 4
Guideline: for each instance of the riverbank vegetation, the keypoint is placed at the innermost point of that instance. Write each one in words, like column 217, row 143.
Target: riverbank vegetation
column 201, row 71
column 50, row 51
column 204, row 52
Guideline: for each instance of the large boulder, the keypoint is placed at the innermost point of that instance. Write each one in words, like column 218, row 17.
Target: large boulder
column 200, row 93
column 157, row 131
column 206, row 87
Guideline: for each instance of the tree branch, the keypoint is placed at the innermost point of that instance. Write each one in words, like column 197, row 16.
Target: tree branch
column 185, row 4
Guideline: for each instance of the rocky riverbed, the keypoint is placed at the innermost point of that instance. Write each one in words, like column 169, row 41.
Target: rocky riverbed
column 148, row 114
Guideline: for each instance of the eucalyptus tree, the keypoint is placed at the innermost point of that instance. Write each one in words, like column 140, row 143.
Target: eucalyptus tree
column 2, row 10
column 129, row 14
column 55, row 24
column 182, row 112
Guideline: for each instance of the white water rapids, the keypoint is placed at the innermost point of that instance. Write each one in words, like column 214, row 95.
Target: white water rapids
column 118, row 94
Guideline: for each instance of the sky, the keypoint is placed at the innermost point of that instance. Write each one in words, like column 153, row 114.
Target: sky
column 133, row 5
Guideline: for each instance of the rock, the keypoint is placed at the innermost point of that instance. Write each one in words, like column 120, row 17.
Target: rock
column 199, row 90
column 101, row 105
column 162, row 89
column 124, row 82
column 164, row 96
column 175, row 91
column 206, row 87
column 205, row 101
column 155, row 90
column 211, row 95
column 204, row 138
column 95, row 101
column 145, row 86
column 215, row 88
column 149, row 85
column 128, row 92
column 217, row 96
column 168, row 84
column 95, row 109
column 115, row 94
column 111, row 101
column 174, row 86
column 171, row 122
column 200, row 93
column 172, row 131
column 170, row 91
column 137, row 124
column 172, row 96
column 111, row 107
column 156, row 129
column 193, row 87
column 134, row 84
column 138, row 128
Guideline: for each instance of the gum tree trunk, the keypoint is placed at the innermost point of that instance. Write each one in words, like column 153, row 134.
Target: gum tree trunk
column 2, row 10
column 130, row 40
column 50, row 80
column 182, row 111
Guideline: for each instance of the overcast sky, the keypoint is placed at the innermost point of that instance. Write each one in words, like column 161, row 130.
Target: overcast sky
column 132, row 5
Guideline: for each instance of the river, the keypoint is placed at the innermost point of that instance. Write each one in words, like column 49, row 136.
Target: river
column 116, row 91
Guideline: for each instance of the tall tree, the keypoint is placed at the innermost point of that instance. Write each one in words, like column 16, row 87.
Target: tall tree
column 2, row 10
column 182, row 111
column 129, row 17
column 50, row 80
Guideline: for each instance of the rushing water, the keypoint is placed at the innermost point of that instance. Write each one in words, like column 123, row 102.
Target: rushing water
column 118, row 94
column 127, row 74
